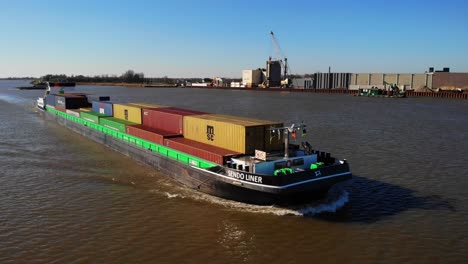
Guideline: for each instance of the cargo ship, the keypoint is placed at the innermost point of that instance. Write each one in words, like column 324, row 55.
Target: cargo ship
column 236, row 158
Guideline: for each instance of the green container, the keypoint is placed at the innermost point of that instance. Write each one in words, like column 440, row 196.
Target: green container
column 115, row 123
column 91, row 116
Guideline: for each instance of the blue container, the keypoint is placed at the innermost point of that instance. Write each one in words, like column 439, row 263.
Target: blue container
column 50, row 99
column 103, row 107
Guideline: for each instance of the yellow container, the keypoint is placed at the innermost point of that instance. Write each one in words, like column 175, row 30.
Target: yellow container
column 131, row 112
column 273, row 140
column 146, row 105
column 86, row 109
column 234, row 133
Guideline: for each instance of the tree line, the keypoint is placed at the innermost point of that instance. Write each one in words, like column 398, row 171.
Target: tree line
column 129, row 76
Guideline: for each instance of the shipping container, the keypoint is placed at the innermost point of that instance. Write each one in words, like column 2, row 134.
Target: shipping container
column 91, row 116
column 273, row 140
column 61, row 109
column 103, row 107
column 73, row 112
column 50, row 99
column 87, row 109
column 234, row 133
column 147, row 105
column 70, row 101
column 147, row 133
column 115, row 123
column 131, row 112
column 168, row 119
column 201, row 150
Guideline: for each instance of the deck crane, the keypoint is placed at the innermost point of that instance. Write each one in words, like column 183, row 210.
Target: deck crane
column 285, row 80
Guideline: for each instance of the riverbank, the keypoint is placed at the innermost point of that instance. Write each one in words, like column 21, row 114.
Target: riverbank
column 125, row 84
column 111, row 84
column 445, row 94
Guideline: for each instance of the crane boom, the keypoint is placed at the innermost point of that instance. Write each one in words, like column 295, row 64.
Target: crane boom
column 279, row 55
column 281, row 58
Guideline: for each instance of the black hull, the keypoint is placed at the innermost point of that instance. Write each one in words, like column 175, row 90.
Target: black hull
column 212, row 183
column 62, row 84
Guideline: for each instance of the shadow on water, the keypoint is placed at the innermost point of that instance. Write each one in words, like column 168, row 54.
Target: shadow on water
column 371, row 201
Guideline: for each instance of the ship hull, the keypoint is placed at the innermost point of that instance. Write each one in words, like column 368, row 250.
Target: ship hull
column 291, row 190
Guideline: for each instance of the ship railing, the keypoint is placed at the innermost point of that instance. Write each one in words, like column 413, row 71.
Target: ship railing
column 144, row 144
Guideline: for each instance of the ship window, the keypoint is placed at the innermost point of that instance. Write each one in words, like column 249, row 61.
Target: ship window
column 280, row 165
column 298, row 162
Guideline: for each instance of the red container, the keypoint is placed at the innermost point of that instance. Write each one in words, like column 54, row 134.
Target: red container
column 148, row 133
column 168, row 119
column 61, row 109
column 201, row 150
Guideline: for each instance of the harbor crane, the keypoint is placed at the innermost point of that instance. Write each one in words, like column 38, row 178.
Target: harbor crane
column 285, row 80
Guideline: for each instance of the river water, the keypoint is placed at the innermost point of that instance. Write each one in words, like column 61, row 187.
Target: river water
column 66, row 199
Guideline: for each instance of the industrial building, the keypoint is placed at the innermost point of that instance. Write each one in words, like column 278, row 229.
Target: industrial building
column 430, row 80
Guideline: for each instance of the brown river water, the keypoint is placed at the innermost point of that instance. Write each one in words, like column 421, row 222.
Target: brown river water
column 66, row 199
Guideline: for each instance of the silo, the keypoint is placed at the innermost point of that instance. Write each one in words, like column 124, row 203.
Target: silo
column 273, row 73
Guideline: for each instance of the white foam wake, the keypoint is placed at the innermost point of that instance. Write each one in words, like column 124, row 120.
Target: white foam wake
column 337, row 198
column 333, row 202
column 327, row 207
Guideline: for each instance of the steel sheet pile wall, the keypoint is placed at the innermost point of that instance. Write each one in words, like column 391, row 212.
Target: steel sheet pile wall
column 201, row 150
column 332, row 80
column 131, row 112
column 169, row 119
column 154, row 135
column 237, row 134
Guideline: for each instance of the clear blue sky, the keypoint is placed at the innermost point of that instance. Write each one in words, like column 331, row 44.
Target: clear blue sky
column 208, row 38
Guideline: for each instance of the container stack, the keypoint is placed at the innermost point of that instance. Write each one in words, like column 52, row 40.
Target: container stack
column 103, row 107
column 116, row 124
column 201, row 150
column 131, row 112
column 243, row 135
column 92, row 116
column 212, row 137
column 168, row 119
column 151, row 134
column 70, row 101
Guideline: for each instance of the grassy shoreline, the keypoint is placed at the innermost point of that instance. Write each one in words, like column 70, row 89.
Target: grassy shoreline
column 112, row 84
column 125, row 84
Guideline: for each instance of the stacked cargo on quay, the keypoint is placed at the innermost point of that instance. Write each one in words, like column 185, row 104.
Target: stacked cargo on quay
column 236, row 158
